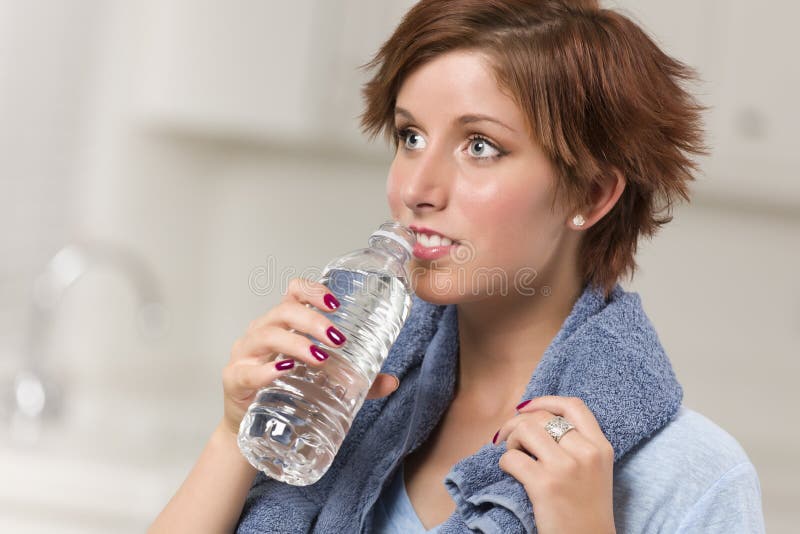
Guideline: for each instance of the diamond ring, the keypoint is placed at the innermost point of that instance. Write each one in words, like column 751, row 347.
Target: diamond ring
column 557, row 427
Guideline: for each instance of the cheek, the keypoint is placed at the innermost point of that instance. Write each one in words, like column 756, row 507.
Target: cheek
column 519, row 224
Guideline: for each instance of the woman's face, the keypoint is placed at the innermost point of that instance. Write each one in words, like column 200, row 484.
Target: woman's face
column 467, row 168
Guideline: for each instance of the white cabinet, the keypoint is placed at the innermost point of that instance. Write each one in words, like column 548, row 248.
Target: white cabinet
column 757, row 81
column 745, row 53
column 239, row 67
column 276, row 72
column 286, row 74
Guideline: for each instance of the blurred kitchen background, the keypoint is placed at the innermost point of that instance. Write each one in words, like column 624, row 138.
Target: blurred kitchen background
column 166, row 166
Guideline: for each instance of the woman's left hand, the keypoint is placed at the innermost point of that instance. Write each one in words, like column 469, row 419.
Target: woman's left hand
column 569, row 483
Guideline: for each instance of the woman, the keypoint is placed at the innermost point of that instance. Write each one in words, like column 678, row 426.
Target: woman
column 542, row 138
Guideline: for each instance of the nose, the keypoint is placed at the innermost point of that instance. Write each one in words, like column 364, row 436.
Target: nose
column 426, row 181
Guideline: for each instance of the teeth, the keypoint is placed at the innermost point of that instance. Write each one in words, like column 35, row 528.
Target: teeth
column 433, row 241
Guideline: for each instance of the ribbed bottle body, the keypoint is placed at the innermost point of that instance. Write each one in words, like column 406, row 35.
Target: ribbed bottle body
column 295, row 426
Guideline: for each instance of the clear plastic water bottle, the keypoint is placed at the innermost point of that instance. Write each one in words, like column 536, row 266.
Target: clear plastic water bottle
column 295, row 426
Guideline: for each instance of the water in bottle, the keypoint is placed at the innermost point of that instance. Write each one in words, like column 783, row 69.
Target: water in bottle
column 295, row 426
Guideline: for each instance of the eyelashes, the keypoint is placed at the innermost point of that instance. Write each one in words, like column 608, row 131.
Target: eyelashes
column 477, row 138
column 402, row 134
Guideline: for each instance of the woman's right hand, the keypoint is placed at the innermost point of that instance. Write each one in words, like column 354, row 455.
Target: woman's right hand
column 251, row 366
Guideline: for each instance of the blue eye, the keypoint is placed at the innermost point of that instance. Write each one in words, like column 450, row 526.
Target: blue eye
column 482, row 148
column 479, row 148
column 411, row 140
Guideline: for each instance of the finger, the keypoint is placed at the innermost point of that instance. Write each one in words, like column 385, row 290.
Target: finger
column 385, row 384
column 520, row 466
column 308, row 291
column 303, row 320
column 301, row 291
column 266, row 343
column 509, row 426
column 309, row 321
column 306, row 320
column 573, row 410
column 573, row 449
column 503, row 432
column 529, row 435
column 241, row 381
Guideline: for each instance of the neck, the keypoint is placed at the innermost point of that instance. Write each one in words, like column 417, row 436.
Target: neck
column 502, row 340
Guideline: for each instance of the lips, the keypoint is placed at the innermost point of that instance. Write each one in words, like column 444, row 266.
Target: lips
column 431, row 253
column 422, row 231
column 431, row 244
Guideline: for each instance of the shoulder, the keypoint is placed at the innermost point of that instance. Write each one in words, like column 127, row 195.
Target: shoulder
column 689, row 437
column 689, row 475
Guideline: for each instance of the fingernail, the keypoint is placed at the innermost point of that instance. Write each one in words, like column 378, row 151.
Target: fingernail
column 284, row 364
column 318, row 353
column 335, row 336
column 331, row 301
column 521, row 404
column 494, row 439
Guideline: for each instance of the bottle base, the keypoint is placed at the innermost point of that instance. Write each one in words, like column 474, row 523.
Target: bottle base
column 299, row 460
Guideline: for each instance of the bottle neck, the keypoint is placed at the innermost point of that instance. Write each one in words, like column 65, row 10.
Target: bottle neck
column 392, row 247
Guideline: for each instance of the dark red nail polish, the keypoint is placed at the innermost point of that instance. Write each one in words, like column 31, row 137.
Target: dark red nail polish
column 521, row 404
column 318, row 353
column 331, row 301
column 284, row 364
column 494, row 439
column 335, row 336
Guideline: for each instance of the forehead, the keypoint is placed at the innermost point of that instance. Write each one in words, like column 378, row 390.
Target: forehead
column 457, row 83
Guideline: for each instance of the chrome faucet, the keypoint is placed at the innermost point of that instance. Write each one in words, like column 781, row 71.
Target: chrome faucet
column 35, row 395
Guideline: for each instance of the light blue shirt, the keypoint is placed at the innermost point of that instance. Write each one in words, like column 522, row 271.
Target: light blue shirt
column 689, row 477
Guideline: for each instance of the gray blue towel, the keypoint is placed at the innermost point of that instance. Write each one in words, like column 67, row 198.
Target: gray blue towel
column 606, row 352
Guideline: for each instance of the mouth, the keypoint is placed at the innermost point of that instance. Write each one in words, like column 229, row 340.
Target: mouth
column 433, row 240
column 431, row 245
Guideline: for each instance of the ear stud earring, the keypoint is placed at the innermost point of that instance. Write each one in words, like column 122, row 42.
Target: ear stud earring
column 578, row 220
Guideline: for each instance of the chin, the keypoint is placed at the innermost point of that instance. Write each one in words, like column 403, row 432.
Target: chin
column 439, row 300
column 434, row 295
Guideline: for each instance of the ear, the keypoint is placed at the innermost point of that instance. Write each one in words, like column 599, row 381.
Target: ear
column 605, row 194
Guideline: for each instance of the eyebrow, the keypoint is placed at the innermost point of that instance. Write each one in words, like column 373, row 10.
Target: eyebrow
column 464, row 119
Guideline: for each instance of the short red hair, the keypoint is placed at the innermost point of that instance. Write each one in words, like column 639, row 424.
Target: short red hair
column 598, row 95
